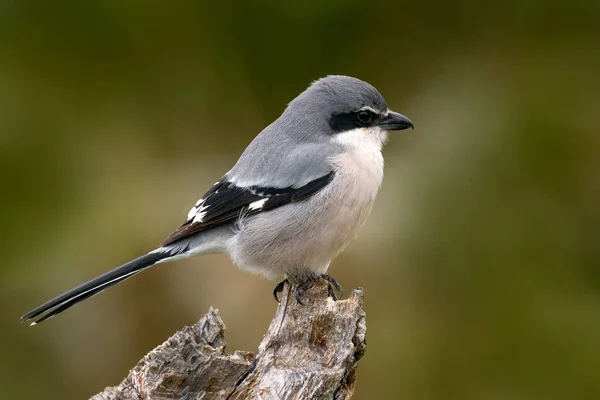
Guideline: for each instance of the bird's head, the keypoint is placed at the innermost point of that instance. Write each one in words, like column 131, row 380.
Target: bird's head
column 342, row 103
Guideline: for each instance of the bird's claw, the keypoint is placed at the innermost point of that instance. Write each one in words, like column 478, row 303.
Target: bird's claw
column 278, row 289
column 332, row 283
column 297, row 293
column 300, row 290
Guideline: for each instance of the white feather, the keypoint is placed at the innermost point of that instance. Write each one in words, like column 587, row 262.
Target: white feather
column 368, row 140
column 257, row 205
column 199, row 216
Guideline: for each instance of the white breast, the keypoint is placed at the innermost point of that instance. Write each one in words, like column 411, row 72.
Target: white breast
column 362, row 161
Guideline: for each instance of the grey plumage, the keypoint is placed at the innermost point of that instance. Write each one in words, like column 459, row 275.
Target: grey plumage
column 296, row 197
column 295, row 148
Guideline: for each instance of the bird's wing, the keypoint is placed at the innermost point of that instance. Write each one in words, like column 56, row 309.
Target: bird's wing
column 225, row 202
column 283, row 162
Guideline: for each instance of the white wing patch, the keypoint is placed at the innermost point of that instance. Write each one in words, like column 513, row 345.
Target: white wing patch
column 198, row 212
column 196, row 209
column 257, row 205
column 199, row 216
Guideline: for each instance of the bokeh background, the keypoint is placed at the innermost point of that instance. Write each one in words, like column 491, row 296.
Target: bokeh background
column 481, row 260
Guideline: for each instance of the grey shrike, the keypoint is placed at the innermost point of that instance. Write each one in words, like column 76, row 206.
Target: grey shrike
column 298, row 194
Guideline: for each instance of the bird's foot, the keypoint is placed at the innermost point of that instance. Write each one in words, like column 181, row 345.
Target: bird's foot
column 333, row 284
column 278, row 289
column 300, row 289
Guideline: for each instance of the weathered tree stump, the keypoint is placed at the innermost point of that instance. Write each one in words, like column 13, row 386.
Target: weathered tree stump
column 309, row 352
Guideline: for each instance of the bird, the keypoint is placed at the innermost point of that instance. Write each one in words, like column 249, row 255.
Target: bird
column 298, row 194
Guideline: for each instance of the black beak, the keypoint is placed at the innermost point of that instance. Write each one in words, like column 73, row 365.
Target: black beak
column 395, row 122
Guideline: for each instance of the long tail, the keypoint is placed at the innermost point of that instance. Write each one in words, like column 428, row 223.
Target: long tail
column 96, row 285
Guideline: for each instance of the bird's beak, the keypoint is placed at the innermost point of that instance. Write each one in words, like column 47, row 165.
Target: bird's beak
column 395, row 122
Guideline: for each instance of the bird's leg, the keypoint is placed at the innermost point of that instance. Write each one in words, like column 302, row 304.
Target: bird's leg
column 278, row 289
column 333, row 283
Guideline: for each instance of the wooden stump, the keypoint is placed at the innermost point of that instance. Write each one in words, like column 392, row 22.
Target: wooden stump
column 308, row 352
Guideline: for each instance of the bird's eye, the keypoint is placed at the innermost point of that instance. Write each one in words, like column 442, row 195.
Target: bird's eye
column 364, row 116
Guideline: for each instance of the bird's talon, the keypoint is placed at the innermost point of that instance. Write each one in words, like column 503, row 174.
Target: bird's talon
column 300, row 289
column 333, row 283
column 278, row 289
column 331, row 292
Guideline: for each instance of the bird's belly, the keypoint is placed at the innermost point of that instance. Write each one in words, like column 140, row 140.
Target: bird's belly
column 301, row 239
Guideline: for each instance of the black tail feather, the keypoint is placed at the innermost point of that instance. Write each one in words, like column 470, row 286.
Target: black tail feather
column 93, row 287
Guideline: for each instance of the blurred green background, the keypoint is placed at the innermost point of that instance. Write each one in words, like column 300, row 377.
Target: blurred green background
column 481, row 260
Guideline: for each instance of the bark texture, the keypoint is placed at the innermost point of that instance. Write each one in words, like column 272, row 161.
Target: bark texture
column 308, row 352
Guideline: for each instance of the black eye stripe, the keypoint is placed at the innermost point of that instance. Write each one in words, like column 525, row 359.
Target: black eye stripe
column 357, row 119
column 342, row 122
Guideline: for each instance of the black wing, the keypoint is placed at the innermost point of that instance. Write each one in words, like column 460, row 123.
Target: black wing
column 225, row 202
